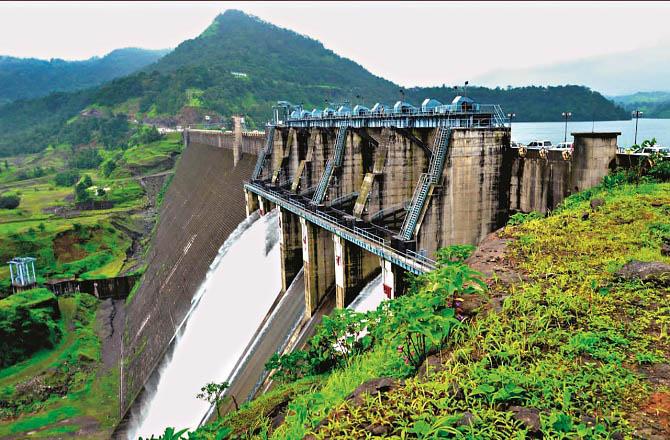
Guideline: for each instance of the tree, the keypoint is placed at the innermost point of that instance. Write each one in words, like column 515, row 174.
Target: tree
column 213, row 393
column 81, row 188
column 9, row 201
column 6, row 164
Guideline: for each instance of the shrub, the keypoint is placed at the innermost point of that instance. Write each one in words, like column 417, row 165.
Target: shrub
column 9, row 201
column 661, row 170
column 81, row 188
column 27, row 324
column 67, row 178
column 520, row 218
column 86, row 159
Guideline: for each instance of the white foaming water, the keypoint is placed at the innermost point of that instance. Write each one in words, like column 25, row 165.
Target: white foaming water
column 370, row 297
column 239, row 289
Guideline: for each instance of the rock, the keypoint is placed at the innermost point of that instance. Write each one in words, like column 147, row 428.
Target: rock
column 665, row 249
column 530, row 417
column 372, row 387
column 467, row 419
column 585, row 216
column 376, row 429
column 653, row 271
column 588, row 421
column 597, row 203
column 432, row 364
column 471, row 303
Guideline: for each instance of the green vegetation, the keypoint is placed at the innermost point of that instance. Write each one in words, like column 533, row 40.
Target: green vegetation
column 27, row 324
column 196, row 80
column 67, row 381
column 9, row 201
column 575, row 351
column 79, row 222
column 22, row 78
column 652, row 104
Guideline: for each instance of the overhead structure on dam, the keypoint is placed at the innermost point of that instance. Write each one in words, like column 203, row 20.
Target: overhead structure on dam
column 366, row 190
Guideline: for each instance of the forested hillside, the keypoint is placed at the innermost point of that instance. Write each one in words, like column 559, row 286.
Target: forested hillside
column 22, row 78
column 241, row 64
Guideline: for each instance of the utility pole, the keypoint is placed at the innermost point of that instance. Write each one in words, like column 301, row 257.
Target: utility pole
column 636, row 114
column 566, row 115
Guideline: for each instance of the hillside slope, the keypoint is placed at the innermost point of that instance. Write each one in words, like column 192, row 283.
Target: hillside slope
column 565, row 340
column 24, row 78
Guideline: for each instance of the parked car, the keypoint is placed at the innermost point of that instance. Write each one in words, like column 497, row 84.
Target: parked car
column 564, row 146
column 515, row 144
column 540, row 144
column 665, row 151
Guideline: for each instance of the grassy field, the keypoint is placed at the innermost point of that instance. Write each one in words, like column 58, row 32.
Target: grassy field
column 69, row 242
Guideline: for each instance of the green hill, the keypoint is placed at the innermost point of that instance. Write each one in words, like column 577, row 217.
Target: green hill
column 22, row 78
column 241, row 64
column 652, row 104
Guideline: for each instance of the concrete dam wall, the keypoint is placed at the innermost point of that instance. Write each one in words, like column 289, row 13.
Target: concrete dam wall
column 202, row 206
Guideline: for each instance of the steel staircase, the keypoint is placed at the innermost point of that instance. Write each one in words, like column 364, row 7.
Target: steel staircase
column 262, row 155
column 432, row 177
column 333, row 162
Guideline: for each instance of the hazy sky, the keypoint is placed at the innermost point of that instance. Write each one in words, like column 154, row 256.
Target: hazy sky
column 409, row 43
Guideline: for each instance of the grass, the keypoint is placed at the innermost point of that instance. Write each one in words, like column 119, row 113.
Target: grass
column 570, row 344
column 153, row 154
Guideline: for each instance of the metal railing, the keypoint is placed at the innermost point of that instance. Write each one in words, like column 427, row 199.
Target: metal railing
column 264, row 153
column 449, row 112
column 411, row 261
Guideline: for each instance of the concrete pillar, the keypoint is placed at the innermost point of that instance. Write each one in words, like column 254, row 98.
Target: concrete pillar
column 290, row 247
column 251, row 202
column 592, row 157
column 393, row 279
column 319, row 271
column 354, row 268
column 185, row 137
column 263, row 205
column 237, row 139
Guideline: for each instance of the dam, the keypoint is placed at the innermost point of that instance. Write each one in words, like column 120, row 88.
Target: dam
column 361, row 195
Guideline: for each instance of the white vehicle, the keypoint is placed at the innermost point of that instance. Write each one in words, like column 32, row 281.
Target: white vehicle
column 564, row 146
column 540, row 144
column 665, row 151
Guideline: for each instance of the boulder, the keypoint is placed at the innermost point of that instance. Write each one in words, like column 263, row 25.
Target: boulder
column 597, row 203
column 530, row 417
column 653, row 271
column 372, row 387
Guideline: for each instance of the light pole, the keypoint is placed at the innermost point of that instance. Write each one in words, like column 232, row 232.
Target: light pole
column 637, row 114
column 566, row 115
column 511, row 116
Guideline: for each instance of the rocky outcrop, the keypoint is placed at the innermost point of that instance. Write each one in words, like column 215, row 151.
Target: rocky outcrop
column 653, row 271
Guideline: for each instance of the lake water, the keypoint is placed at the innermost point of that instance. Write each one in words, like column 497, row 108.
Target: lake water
column 525, row 132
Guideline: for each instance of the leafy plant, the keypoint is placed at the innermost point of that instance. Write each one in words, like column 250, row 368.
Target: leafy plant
column 213, row 393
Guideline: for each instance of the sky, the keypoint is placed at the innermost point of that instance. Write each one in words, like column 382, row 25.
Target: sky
column 412, row 44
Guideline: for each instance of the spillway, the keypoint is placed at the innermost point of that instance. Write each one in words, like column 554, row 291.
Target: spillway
column 370, row 297
column 240, row 287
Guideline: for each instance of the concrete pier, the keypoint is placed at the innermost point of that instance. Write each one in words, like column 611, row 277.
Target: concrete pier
column 290, row 247
column 354, row 268
column 318, row 256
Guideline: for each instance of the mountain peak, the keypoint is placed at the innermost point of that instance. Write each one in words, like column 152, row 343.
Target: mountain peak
column 230, row 17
